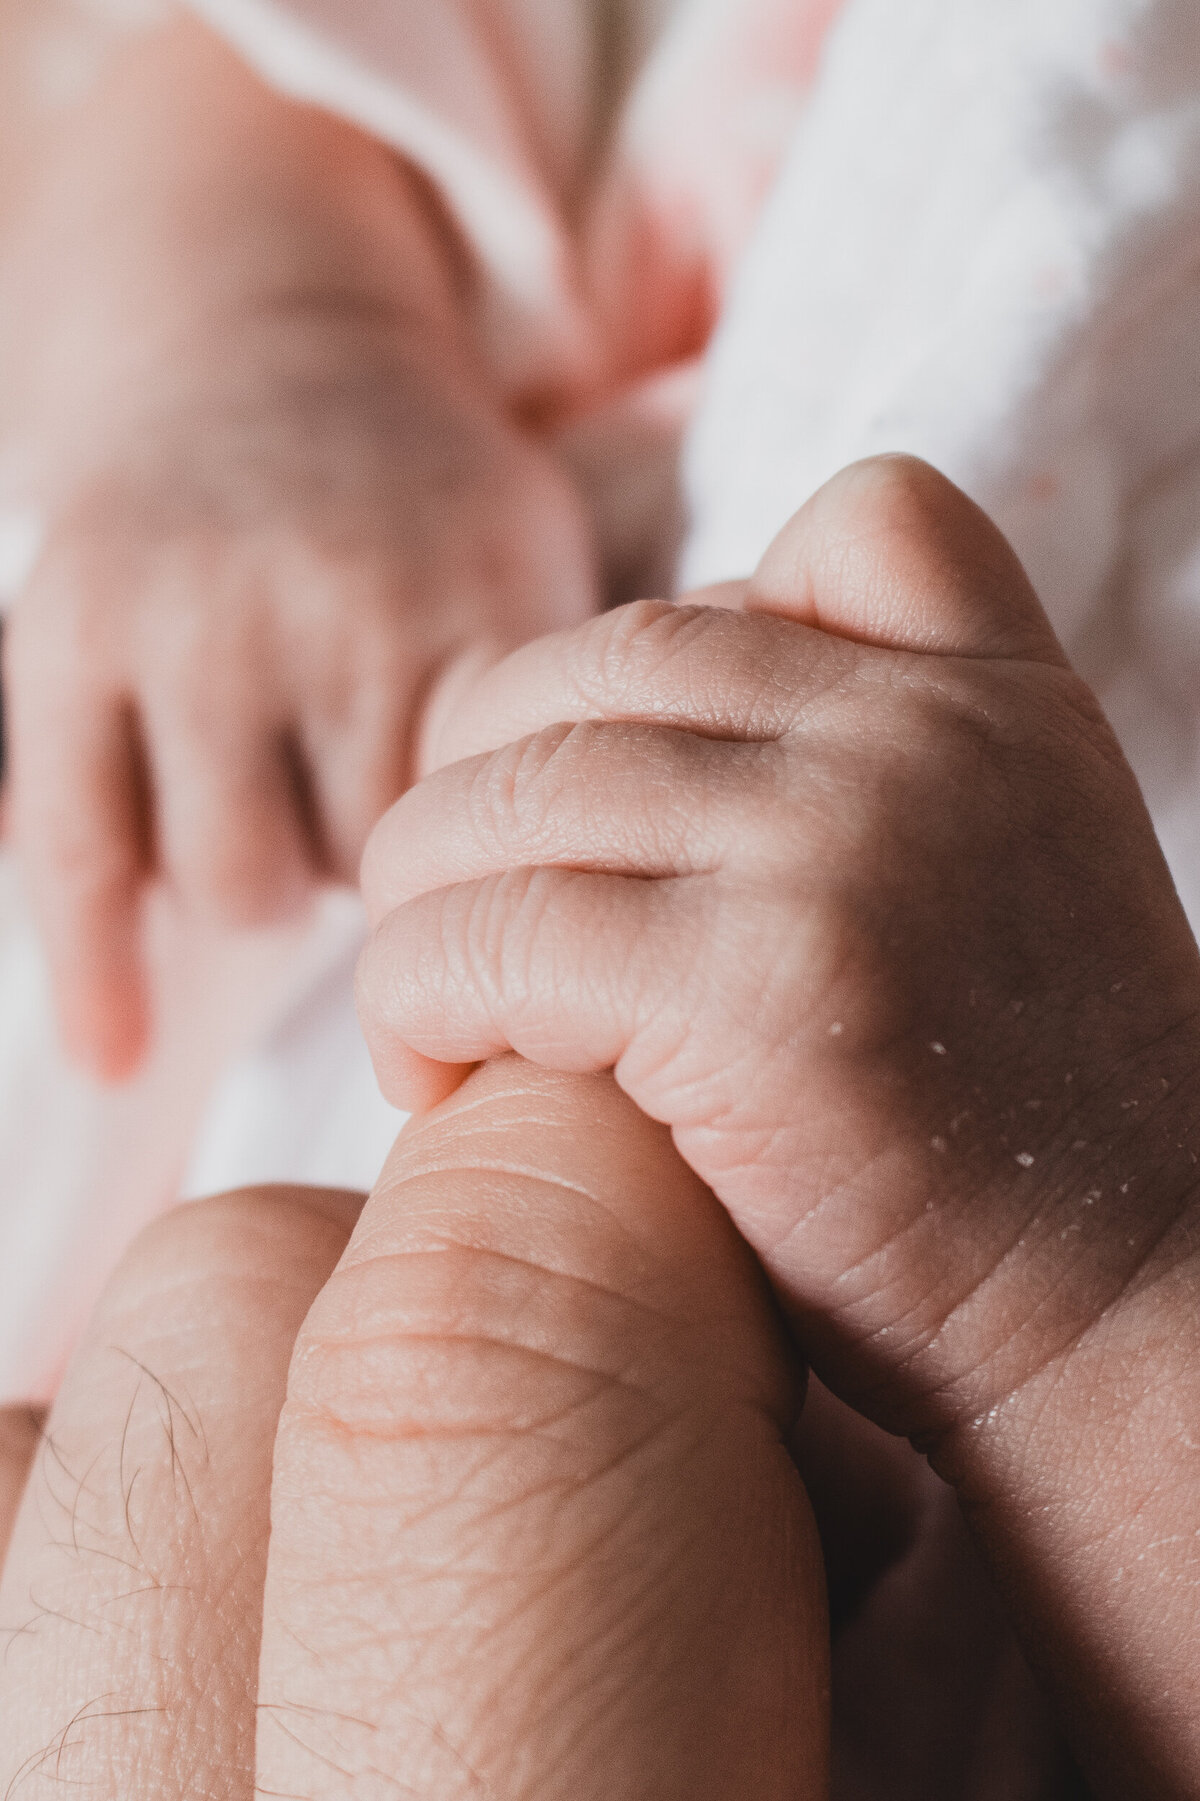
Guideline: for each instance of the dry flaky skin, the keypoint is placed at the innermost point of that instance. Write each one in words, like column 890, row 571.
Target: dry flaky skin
column 536, row 1422
column 533, row 1527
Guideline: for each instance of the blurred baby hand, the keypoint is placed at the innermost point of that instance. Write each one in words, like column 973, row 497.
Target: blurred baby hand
column 248, row 588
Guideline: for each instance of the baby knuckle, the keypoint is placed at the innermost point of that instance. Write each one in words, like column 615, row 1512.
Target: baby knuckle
column 960, row 749
column 509, row 796
column 190, row 684
column 633, row 646
column 863, row 795
column 767, row 797
column 810, row 951
column 510, row 934
column 485, row 951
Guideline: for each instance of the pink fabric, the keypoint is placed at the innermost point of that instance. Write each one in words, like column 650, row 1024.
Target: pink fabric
column 604, row 225
column 699, row 143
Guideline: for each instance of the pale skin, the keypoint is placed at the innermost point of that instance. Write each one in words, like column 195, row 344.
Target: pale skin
column 493, row 1489
column 525, row 1519
column 847, row 882
column 842, row 873
column 282, row 502
column 537, row 1524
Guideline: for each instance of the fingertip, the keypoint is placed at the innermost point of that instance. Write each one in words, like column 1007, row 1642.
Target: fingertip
column 407, row 1079
column 444, row 724
column 105, row 1026
column 891, row 553
column 413, row 1083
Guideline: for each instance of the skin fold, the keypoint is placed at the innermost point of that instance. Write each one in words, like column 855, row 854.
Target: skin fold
column 847, row 880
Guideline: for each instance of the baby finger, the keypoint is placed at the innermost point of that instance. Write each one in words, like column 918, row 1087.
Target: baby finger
column 701, row 668
column 76, row 793
column 565, row 966
column 625, row 798
column 230, row 832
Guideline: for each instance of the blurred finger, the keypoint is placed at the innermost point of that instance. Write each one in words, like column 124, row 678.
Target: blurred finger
column 131, row 1596
column 78, row 798
column 231, row 831
column 357, row 767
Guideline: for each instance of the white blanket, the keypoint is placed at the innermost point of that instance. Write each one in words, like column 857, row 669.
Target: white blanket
column 985, row 249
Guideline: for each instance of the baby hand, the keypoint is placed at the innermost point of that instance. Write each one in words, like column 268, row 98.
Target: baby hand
column 246, row 591
column 854, row 890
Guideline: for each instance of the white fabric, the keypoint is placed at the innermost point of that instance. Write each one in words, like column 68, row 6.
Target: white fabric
column 985, row 249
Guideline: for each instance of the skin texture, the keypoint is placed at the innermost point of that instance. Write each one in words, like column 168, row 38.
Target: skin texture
column 131, row 1595
column 533, row 1528
column 281, row 501
column 844, row 876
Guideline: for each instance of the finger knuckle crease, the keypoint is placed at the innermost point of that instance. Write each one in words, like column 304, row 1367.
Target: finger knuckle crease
column 636, row 644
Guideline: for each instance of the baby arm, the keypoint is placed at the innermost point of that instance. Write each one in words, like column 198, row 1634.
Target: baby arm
column 854, row 890
column 280, row 498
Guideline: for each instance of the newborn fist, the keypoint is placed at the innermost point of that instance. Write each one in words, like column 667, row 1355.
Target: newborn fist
column 847, row 879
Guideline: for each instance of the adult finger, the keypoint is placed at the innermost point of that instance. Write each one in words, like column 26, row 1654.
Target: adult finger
column 627, row 798
column 230, row 812
column 78, row 804
column 358, row 762
column 131, row 1596
column 534, row 1526
column 20, row 1430
column 891, row 553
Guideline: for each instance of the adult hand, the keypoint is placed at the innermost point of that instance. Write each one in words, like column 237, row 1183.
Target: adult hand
column 520, row 1521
